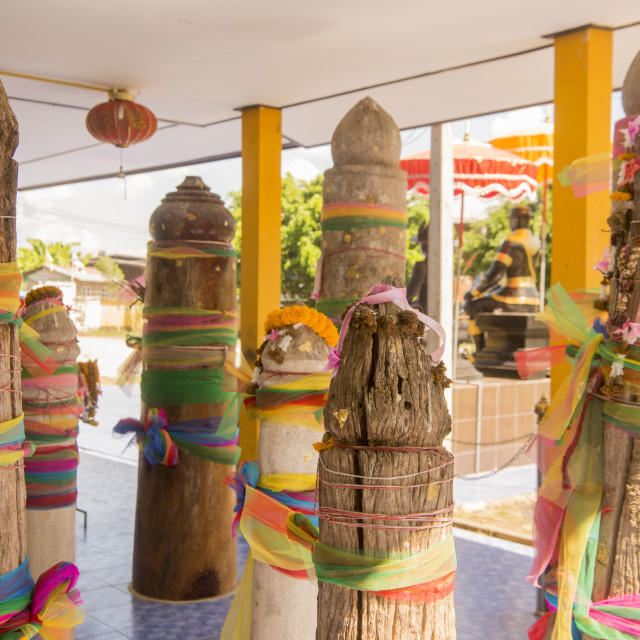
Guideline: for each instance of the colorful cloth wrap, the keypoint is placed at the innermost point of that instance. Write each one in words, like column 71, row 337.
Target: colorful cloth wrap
column 345, row 216
column 52, row 426
column 12, row 445
column 179, row 249
column 352, row 216
column 297, row 403
column 40, row 611
column 287, row 539
column 379, row 294
column 186, row 343
column 214, row 438
column 569, row 505
column 267, row 512
column 39, row 357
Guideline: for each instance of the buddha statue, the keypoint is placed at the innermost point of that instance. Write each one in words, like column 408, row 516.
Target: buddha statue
column 517, row 260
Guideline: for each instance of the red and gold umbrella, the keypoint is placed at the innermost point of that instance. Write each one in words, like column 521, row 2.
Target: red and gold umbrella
column 478, row 169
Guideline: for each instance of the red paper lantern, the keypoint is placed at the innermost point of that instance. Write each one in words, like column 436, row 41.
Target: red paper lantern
column 121, row 121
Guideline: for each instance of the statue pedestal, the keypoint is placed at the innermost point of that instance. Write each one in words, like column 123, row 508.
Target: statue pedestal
column 465, row 371
column 504, row 335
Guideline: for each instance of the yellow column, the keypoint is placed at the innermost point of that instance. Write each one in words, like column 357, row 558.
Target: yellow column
column 582, row 95
column 260, row 257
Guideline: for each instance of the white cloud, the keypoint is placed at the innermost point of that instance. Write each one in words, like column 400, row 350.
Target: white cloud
column 511, row 121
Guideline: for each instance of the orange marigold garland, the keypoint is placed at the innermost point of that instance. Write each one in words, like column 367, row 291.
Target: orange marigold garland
column 42, row 293
column 299, row 314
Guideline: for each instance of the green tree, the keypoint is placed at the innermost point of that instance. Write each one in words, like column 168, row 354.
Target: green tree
column 29, row 259
column 301, row 232
column 482, row 239
column 110, row 268
column 300, row 229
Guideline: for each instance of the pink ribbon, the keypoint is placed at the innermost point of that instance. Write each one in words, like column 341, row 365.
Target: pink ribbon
column 630, row 332
column 379, row 294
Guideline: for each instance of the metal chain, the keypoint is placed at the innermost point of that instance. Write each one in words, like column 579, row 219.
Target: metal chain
column 508, row 463
column 488, row 444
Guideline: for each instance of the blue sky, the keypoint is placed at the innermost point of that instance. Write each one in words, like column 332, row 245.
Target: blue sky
column 96, row 214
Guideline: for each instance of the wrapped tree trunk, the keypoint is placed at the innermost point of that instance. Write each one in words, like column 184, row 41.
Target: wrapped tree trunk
column 183, row 547
column 364, row 217
column 13, row 519
column 617, row 571
column 280, row 601
column 51, row 408
column 387, row 416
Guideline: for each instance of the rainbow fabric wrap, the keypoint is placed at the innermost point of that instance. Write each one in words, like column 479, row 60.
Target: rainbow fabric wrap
column 266, row 511
column 39, row 357
column 293, row 490
column 40, row 610
column 353, row 216
column 178, row 249
column 287, row 539
column 187, row 343
column 12, row 445
column 569, row 505
column 347, row 216
column 52, row 426
column 214, row 439
column 297, row 403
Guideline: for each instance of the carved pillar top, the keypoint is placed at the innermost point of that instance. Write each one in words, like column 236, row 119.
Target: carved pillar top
column 192, row 212
column 631, row 88
column 366, row 135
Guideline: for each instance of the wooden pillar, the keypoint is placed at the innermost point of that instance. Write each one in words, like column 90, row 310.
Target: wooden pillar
column 364, row 209
column 260, row 259
column 51, row 530
column 183, row 548
column 13, row 517
column 616, row 569
column 582, row 100
column 440, row 299
column 388, row 394
column 280, row 601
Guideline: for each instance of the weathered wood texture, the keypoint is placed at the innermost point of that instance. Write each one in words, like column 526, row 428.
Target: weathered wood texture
column 13, row 520
column 617, row 569
column 366, row 151
column 183, row 548
column 51, row 533
column 394, row 397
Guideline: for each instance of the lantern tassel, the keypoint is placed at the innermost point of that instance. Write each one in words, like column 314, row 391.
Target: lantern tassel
column 121, row 174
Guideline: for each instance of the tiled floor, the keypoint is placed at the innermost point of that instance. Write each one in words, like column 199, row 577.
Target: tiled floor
column 492, row 598
column 107, row 490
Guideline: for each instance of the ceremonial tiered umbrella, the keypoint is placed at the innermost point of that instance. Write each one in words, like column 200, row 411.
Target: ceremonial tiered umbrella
column 536, row 145
column 480, row 170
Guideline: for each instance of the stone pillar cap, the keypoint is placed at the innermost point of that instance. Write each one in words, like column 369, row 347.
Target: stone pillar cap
column 367, row 135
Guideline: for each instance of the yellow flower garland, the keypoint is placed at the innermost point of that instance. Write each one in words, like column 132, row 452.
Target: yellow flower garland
column 311, row 318
column 620, row 195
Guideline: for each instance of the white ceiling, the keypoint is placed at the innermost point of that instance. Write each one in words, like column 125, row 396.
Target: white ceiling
column 195, row 62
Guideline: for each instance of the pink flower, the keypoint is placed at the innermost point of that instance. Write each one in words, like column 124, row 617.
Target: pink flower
column 334, row 359
column 603, row 265
column 631, row 331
